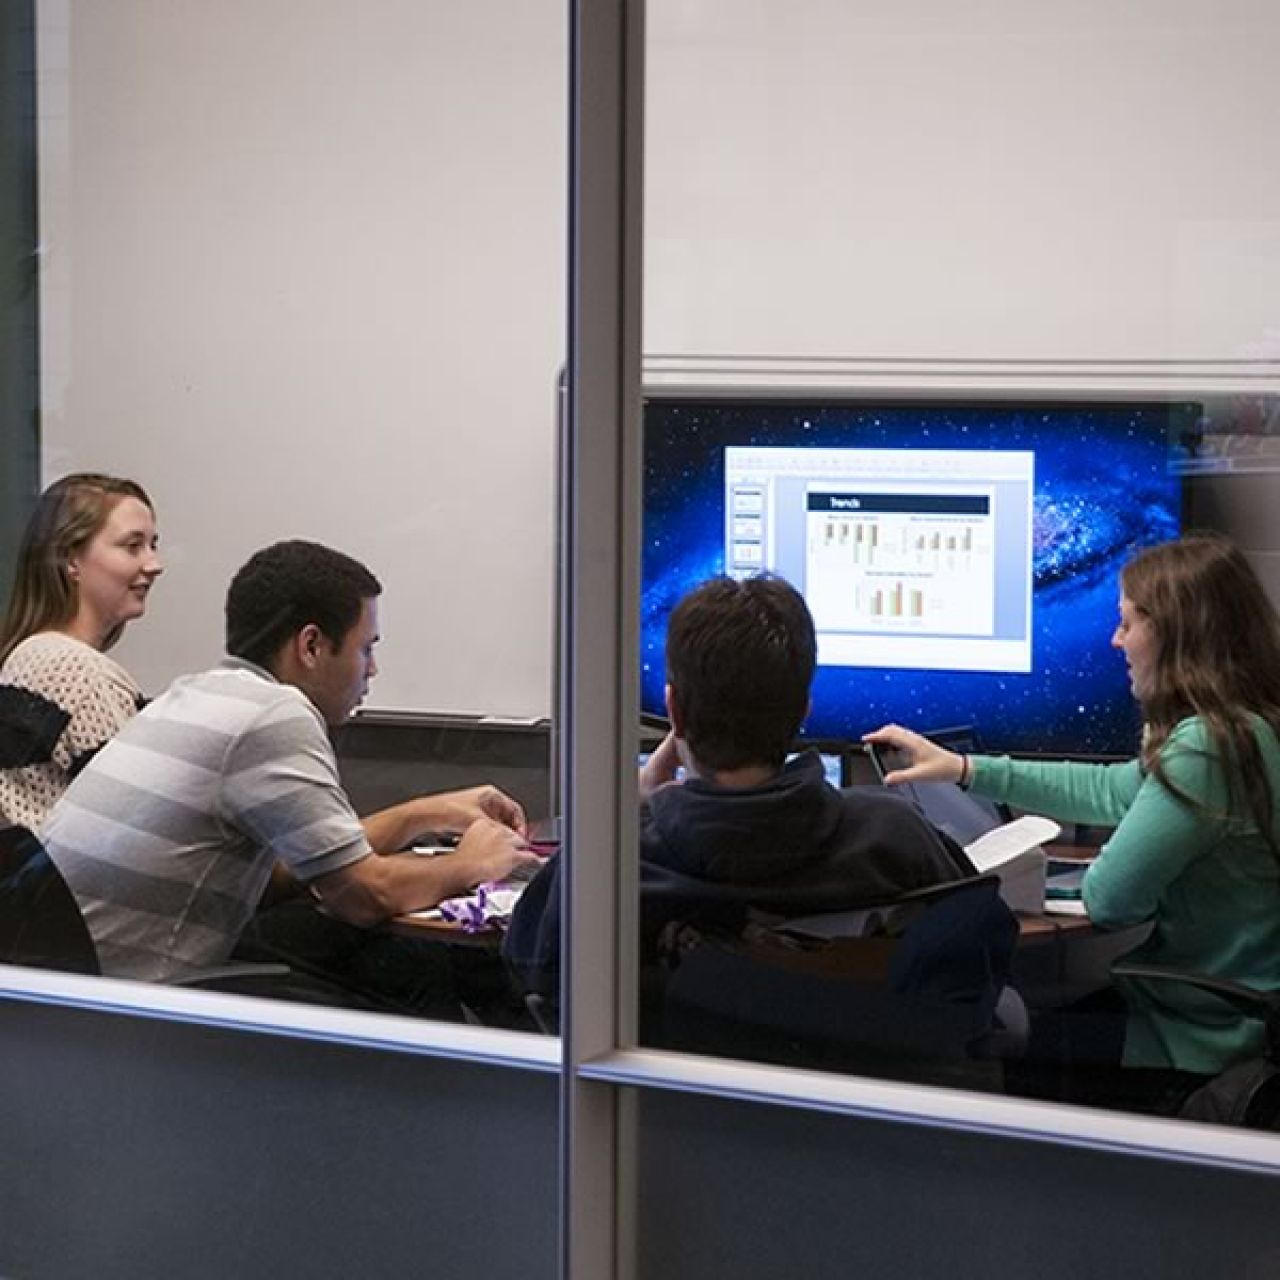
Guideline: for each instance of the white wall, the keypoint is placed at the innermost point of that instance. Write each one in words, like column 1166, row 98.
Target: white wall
column 1010, row 179
column 304, row 258
column 304, row 277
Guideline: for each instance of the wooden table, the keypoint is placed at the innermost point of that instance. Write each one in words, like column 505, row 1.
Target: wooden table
column 1059, row 958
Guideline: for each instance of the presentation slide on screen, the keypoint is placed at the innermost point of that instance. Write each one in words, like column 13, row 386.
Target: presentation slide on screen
column 907, row 557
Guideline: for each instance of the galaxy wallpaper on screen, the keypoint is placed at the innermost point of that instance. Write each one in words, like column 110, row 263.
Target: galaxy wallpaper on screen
column 1103, row 487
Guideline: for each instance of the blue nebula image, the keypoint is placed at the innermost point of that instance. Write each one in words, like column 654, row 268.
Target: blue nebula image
column 1103, row 488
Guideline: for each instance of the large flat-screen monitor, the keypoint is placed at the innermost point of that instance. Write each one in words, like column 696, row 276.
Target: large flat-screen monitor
column 960, row 559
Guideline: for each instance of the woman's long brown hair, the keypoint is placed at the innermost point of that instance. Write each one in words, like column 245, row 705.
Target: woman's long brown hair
column 1218, row 658
column 67, row 516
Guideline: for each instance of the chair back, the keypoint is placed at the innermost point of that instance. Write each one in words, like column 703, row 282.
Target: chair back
column 1246, row 1094
column 40, row 921
column 916, row 991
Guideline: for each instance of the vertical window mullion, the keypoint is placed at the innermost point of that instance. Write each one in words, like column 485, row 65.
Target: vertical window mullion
column 598, row 709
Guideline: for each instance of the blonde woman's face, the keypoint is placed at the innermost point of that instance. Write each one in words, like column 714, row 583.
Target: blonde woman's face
column 114, row 574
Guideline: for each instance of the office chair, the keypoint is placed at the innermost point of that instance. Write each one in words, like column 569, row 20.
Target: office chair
column 40, row 923
column 1246, row 1095
column 41, row 926
column 919, row 992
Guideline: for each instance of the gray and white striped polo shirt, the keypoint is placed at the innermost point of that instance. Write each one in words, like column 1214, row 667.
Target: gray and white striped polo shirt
column 168, row 837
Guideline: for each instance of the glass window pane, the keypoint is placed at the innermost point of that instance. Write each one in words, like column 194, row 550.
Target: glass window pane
column 284, row 293
column 959, row 326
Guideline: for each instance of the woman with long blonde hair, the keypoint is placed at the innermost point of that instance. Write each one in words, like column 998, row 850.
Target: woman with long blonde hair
column 1196, row 845
column 86, row 565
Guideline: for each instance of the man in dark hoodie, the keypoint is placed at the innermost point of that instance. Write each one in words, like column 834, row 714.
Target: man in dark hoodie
column 745, row 829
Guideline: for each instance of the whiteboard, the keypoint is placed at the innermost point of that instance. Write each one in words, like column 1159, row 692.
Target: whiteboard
column 304, row 278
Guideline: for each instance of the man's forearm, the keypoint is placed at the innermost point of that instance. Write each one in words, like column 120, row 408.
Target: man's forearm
column 390, row 830
column 370, row 891
column 410, row 883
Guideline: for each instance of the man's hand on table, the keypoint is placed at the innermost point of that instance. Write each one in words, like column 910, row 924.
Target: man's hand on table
column 491, row 851
column 483, row 803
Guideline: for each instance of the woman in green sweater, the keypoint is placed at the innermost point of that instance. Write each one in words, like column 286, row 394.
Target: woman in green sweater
column 1196, row 845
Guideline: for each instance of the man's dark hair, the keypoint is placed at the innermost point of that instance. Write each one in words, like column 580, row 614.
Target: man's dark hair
column 740, row 660
column 287, row 585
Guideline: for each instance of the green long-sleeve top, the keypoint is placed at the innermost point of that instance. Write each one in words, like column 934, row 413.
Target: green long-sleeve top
column 1202, row 875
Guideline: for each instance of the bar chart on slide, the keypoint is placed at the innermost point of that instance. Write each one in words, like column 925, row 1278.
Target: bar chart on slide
column 901, row 562
column 908, row 558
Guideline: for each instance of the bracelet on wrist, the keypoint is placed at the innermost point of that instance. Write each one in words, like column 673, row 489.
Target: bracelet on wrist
column 966, row 773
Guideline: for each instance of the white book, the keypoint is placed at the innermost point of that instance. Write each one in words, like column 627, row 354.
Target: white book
column 1014, row 853
column 991, row 851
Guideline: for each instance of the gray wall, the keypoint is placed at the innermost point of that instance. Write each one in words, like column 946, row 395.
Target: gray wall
column 384, row 761
column 1246, row 506
column 737, row 1190
column 136, row 1148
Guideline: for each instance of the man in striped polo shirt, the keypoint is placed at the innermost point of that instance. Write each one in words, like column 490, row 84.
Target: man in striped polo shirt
column 228, row 782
